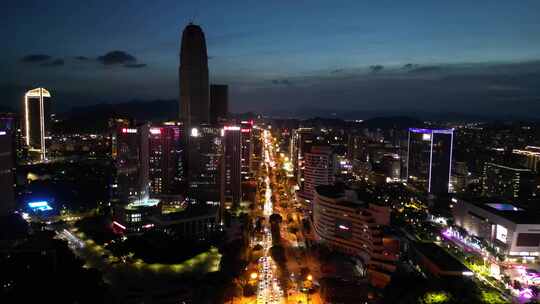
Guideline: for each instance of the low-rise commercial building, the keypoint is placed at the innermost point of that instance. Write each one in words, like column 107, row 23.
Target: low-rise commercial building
column 512, row 230
column 140, row 216
column 136, row 217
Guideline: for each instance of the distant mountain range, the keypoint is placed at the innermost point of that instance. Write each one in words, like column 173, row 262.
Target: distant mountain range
column 95, row 118
column 392, row 122
column 352, row 114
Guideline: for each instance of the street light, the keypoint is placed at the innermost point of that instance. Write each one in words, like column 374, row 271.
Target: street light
column 253, row 275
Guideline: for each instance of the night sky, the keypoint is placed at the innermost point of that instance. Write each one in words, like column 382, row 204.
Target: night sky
column 283, row 56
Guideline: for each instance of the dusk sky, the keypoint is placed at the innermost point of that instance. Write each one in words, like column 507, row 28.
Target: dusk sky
column 461, row 56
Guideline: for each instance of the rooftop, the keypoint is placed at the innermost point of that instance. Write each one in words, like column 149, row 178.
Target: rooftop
column 516, row 168
column 504, row 207
column 190, row 212
column 343, row 195
column 431, row 131
column 440, row 257
column 513, row 212
column 148, row 202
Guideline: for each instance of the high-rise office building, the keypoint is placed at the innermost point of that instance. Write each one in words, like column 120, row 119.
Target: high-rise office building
column 460, row 177
column 7, row 165
column 194, row 90
column 36, row 115
column 512, row 182
column 391, row 164
column 131, row 161
column 204, row 169
column 203, row 152
column 301, row 141
column 246, row 128
column 219, row 103
column 356, row 147
column 429, row 162
column 256, row 157
column 319, row 169
column 233, row 165
column 165, row 167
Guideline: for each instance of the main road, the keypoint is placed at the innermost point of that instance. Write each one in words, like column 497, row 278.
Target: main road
column 268, row 289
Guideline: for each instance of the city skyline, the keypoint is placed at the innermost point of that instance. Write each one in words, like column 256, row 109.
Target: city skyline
column 420, row 56
column 272, row 153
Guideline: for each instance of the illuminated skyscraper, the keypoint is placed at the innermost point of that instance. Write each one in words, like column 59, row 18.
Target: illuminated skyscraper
column 429, row 162
column 204, row 168
column 247, row 147
column 301, row 141
column 233, row 164
column 130, row 156
column 165, row 159
column 36, row 113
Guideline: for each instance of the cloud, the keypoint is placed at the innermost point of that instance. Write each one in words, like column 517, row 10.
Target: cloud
column 376, row 68
column 116, row 58
column 135, row 65
column 43, row 60
column 120, row 58
column 471, row 88
column 409, row 66
column 54, row 63
column 426, row 69
column 33, row 58
column 82, row 58
column 281, row 82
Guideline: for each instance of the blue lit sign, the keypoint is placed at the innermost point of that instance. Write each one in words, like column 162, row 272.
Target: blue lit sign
column 40, row 206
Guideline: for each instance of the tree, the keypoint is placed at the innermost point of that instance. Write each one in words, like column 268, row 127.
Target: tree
column 278, row 254
column 257, row 247
column 249, row 290
column 276, row 218
column 293, row 230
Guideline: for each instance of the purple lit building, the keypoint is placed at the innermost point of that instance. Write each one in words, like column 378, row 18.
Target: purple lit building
column 429, row 159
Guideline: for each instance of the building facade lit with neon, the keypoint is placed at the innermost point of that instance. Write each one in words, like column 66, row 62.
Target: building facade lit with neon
column 36, row 113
